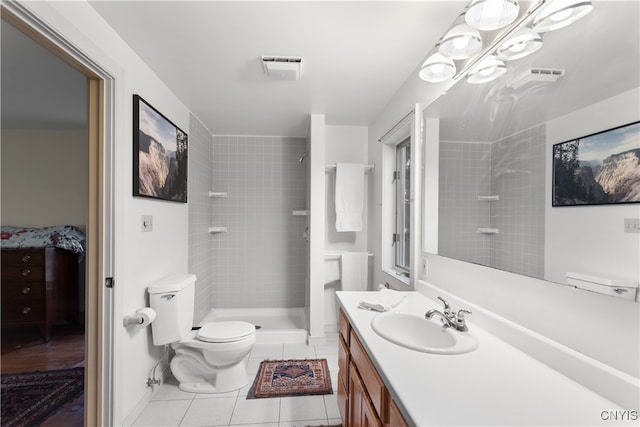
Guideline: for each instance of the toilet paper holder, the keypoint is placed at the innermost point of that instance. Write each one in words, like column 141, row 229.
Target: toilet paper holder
column 143, row 317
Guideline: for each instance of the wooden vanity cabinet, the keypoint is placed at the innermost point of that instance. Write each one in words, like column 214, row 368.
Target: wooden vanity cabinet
column 363, row 399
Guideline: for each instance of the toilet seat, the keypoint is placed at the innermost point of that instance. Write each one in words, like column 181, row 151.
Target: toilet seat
column 227, row 331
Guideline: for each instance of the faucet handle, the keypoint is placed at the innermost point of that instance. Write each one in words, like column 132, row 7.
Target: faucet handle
column 447, row 308
column 461, row 324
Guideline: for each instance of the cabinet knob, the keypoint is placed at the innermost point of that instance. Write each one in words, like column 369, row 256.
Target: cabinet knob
column 26, row 272
column 26, row 310
column 26, row 258
column 26, row 290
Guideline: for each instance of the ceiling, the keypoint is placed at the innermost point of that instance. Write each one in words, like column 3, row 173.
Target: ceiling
column 356, row 55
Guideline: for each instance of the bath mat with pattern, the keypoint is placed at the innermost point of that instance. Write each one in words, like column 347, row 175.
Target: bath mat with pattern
column 280, row 378
column 30, row 397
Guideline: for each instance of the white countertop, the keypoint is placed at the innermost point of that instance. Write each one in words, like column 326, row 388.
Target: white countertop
column 496, row 384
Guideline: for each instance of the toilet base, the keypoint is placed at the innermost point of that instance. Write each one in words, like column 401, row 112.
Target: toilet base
column 222, row 380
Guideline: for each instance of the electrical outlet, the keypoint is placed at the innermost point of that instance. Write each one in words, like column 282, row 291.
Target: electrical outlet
column 424, row 265
column 632, row 225
column 147, row 223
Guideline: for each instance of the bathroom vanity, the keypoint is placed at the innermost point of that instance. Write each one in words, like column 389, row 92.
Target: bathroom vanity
column 382, row 383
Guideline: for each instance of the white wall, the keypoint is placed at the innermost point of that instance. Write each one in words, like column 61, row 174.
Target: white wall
column 591, row 238
column 344, row 144
column 140, row 258
column 604, row 328
column 45, row 177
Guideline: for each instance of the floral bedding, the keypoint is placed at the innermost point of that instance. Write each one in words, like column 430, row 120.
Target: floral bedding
column 60, row 236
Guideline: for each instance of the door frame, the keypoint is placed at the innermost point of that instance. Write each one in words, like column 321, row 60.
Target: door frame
column 99, row 341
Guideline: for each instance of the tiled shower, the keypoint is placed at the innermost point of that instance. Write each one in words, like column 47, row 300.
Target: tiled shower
column 471, row 174
column 261, row 260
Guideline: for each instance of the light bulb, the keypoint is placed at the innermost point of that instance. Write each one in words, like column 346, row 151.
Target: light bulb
column 518, row 47
column 492, row 8
column 460, row 42
column 436, row 68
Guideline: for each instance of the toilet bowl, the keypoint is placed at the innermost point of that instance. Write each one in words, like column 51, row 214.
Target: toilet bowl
column 209, row 359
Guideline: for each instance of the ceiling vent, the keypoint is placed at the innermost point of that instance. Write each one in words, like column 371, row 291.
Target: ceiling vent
column 547, row 75
column 282, row 67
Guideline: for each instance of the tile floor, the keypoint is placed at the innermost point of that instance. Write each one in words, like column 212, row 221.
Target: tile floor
column 172, row 407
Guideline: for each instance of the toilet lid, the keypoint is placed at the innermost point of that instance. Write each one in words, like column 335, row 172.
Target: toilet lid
column 227, row 331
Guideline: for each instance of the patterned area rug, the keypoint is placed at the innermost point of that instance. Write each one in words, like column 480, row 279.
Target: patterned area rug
column 279, row 378
column 30, row 397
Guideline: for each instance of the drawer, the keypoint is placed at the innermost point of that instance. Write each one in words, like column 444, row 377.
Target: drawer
column 372, row 381
column 25, row 273
column 18, row 258
column 14, row 291
column 344, row 327
column 22, row 311
column 343, row 360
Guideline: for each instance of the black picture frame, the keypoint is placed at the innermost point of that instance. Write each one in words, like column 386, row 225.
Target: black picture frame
column 160, row 155
column 607, row 173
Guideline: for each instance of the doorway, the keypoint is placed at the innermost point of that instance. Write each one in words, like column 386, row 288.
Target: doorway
column 96, row 333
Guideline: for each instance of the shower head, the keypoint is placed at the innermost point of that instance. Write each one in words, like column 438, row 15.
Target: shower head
column 301, row 159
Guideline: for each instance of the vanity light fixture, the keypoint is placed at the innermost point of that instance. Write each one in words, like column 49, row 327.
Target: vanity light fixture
column 520, row 38
column 490, row 68
column 487, row 15
column 524, row 42
column 560, row 13
column 437, row 68
column 461, row 42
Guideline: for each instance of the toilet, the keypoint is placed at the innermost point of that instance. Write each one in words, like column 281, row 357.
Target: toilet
column 209, row 359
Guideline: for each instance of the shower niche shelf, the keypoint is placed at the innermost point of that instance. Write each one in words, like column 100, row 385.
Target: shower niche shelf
column 488, row 230
column 488, row 198
column 299, row 212
column 218, row 194
column 216, row 230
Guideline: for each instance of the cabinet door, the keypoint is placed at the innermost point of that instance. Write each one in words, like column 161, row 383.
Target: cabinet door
column 343, row 400
column 395, row 417
column 361, row 411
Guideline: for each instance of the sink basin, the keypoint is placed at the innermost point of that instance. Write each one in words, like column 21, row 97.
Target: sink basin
column 415, row 332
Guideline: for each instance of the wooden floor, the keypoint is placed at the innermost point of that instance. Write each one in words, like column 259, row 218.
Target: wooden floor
column 23, row 351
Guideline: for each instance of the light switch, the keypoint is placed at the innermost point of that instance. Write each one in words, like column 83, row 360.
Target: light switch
column 147, row 223
column 632, row 225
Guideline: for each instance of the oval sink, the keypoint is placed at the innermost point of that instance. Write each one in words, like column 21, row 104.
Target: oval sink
column 415, row 332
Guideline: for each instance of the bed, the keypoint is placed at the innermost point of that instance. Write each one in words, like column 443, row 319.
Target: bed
column 40, row 276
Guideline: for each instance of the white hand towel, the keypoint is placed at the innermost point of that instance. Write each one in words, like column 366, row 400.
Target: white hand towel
column 331, row 269
column 349, row 196
column 355, row 266
column 384, row 300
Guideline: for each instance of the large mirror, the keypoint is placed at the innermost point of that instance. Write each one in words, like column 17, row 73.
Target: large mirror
column 495, row 147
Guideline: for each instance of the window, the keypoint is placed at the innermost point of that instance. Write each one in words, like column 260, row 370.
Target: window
column 397, row 199
column 402, row 179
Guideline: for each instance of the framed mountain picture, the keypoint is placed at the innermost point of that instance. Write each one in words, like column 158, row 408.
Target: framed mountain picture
column 602, row 168
column 159, row 155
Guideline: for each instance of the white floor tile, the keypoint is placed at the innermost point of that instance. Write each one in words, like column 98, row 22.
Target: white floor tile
column 217, row 395
column 267, row 351
column 331, row 404
column 210, row 412
column 256, row 411
column 253, row 366
column 303, row 423
column 302, row 408
column 170, row 391
column 163, row 413
column 329, row 348
column 335, row 421
column 299, row 350
column 332, row 361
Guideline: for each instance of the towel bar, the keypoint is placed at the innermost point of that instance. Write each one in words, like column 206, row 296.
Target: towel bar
column 329, row 168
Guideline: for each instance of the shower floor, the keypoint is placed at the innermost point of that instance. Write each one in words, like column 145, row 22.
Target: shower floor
column 277, row 325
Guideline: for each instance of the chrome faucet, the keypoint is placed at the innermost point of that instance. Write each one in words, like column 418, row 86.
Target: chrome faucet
column 456, row 321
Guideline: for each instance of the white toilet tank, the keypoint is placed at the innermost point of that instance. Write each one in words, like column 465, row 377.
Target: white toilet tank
column 173, row 299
